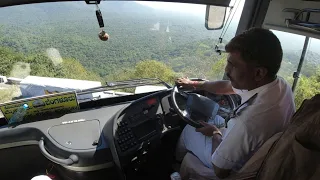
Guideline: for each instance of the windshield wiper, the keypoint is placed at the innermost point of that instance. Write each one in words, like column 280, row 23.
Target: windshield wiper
column 137, row 81
column 124, row 84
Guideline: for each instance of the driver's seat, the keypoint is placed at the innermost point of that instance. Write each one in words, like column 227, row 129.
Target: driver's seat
column 292, row 154
column 193, row 168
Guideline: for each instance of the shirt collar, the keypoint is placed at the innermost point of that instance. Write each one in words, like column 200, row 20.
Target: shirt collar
column 245, row 94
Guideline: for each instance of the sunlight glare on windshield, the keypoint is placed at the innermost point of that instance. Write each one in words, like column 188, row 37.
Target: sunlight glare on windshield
column 20, row 70
column 54, row 55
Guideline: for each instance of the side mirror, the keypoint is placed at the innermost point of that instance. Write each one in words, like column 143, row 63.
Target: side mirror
column 215, row 17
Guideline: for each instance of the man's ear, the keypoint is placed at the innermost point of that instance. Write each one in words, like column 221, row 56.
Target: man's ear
column 260, row 73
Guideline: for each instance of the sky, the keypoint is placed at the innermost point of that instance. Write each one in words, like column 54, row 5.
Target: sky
column 195, row 9
column 178, row 7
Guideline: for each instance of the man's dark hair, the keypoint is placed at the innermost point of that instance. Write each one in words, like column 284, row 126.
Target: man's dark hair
column 260, row 47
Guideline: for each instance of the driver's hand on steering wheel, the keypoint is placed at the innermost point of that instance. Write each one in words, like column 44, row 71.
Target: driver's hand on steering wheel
column 184, row 82
column 207, row 129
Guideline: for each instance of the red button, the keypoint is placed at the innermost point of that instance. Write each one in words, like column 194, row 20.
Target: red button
column 151, row 101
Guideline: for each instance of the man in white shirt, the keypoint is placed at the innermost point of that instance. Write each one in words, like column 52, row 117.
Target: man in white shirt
column 266, row 107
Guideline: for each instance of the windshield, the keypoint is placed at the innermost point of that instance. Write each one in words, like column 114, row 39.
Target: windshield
column 42, row 42
column 49, row 48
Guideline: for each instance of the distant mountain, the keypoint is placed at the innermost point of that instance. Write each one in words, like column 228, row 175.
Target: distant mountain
column 137, row 32
column 125, row 7
column 313, row 57
column 34, row 13
column 292, row 45
column 294, row 56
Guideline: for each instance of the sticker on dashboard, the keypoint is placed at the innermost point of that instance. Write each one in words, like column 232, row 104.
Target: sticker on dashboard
column 37, row 106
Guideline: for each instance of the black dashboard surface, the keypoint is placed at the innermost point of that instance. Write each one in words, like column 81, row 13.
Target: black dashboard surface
column 77, row 133
column 100, row 137
column 88, row 134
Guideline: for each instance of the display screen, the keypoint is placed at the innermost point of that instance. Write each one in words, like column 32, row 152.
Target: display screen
column 144, row 129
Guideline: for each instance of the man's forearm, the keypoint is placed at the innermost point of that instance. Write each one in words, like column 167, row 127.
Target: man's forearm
column 216, row 87
column 216, row 140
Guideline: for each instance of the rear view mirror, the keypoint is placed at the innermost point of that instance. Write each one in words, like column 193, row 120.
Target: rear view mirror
column 215, row 16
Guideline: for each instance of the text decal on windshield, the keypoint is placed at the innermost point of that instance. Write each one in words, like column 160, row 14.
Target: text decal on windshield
column 39, row 106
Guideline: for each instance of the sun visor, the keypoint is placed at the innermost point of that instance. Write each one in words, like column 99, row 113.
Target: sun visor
column 225, row 3
column 294, row 16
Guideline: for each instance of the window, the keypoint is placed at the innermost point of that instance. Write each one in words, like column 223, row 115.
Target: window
column 309, row 82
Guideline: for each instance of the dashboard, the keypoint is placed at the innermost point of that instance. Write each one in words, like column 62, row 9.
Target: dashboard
column 102, row 137
column 138, row 123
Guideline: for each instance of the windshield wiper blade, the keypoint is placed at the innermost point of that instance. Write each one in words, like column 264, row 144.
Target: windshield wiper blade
column 137, row 81
column 124, row 84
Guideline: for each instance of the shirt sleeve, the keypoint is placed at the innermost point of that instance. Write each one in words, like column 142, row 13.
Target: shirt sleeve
column 238, row 91
column 234, row 148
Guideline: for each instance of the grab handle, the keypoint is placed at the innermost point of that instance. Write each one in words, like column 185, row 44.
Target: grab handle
column 71, row 160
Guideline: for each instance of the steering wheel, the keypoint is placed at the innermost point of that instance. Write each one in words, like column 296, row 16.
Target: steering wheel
column 198, row 107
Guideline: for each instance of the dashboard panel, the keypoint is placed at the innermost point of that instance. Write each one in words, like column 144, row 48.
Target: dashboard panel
column 108, row 135
column 74, row 133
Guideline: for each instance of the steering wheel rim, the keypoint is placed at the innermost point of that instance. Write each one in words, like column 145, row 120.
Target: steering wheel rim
column 183, row 114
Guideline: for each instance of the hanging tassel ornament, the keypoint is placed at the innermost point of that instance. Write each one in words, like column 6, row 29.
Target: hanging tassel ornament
column 102, row 34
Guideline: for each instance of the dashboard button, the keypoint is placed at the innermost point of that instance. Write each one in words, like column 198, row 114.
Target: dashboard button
column 145, row 111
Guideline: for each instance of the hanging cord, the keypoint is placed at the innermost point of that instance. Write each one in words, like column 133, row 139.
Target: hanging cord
column 232, row 18
column 99, row 17
column 223, row 29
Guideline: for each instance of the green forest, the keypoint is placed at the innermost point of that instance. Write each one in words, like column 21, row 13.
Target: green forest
column 143, row 43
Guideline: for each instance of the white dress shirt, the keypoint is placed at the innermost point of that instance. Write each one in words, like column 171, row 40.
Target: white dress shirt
column 268, row 113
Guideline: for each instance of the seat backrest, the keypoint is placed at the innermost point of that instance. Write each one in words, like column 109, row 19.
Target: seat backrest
column 293, row 154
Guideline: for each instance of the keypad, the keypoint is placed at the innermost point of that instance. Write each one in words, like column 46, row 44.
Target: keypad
column 126, row 139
